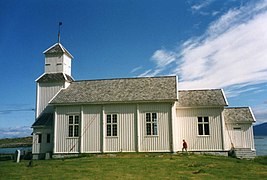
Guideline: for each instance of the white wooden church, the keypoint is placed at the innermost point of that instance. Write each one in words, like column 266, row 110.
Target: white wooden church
column 147, row 114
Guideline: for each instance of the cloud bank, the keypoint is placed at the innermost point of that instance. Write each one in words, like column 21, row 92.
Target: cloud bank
column 14, row 132
column 231, row 54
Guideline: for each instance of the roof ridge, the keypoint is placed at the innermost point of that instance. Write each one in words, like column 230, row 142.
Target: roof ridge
column 241, row 107
column 201, row 89
column 125, row 78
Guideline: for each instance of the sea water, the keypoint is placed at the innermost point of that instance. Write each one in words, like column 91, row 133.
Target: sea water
column 13, row 150
column 261, row 145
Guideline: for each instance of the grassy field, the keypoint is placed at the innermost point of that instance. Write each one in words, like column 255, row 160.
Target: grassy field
column 15, row 142
column 137, row 166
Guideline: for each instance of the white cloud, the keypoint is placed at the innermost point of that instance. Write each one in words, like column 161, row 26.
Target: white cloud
column 163, row 58
column 13, row 132
column 146, row 73
column 151, row 72
column 203, row 4
column 231, row 54
column 236, row 56
column 226, row 21
column 136, row 69
column 214, row 13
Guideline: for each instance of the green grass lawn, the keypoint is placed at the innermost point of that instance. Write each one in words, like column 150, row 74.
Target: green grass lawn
column 137, row 166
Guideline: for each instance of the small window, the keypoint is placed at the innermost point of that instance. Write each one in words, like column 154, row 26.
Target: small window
column 58, row 64
column 48, row 138
column 203, row 126
column 151, row 124
column 47, row 64
column 112, row 127
column 237, row 128
column 74, row 121
column 39, row 138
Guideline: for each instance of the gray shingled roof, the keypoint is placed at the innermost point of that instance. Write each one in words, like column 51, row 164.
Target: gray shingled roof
column 238, row 114
column 119, row 90
column 192, row 98
column 46, row 119
column 54, row 77
column 57, row 48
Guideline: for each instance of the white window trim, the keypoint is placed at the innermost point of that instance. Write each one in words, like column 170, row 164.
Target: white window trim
column 73, row 125
column 111, row 123
column 203, row 127
column 151, row 122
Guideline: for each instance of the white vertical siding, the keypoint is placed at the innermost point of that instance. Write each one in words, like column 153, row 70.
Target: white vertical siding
column 160, row 142
column 35, row 144
column 46, row 91
column 187, row 127
column 241, row 138
column 174, row 122
column 58, row 64
column 42, row 147
column 51, row 64
column 137, row 129
column 91, row 129
column 65, row 144
column 125, row 141
column 67, row 65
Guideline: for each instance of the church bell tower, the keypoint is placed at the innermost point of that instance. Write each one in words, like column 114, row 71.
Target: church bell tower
column 57, row 60
column 57, row 75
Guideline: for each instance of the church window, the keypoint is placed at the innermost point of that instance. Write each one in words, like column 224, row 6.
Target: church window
column 203, row 126
column 74, row 121
column 151, row 124
column 112, row 125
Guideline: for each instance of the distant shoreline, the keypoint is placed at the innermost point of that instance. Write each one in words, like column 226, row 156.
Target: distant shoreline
column 16, row 142
column 259, row 137
column 15, row 145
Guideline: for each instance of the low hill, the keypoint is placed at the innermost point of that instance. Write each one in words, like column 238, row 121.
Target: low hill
column 260, row 130
column 16, row 142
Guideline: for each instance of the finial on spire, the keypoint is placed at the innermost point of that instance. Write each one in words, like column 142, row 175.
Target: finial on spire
column 58, row 35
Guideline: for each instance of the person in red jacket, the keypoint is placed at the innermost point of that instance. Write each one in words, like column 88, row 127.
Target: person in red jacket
column 184, row 146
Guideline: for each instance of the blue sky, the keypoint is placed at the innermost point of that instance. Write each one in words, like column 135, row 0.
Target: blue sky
column 207, row 44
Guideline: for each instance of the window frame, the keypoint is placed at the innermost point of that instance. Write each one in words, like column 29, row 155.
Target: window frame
column 74, row 125
column 112, row 125
column 151, row 120
column 203, row 125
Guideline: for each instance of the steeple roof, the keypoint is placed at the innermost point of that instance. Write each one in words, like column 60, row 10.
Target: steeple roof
column 57, row 48
column 54, row 77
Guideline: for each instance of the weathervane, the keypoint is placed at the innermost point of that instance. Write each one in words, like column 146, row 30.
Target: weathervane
column 58, row 35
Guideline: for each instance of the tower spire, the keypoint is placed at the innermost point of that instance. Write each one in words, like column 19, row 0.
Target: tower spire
column 58, row 35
